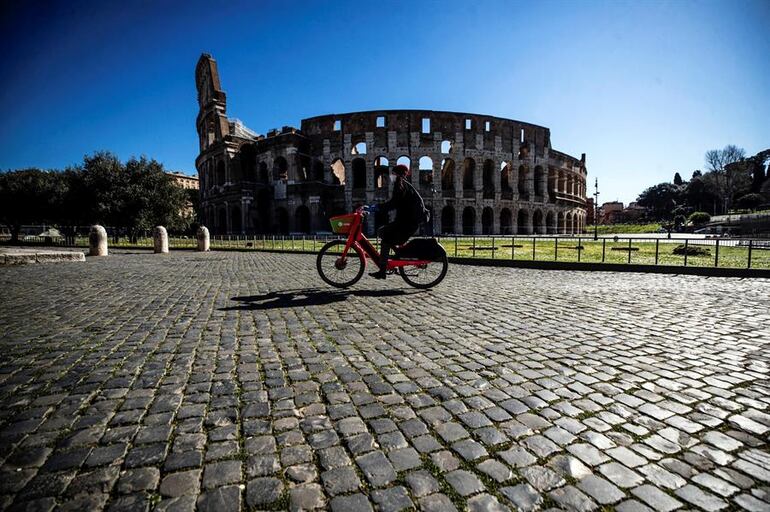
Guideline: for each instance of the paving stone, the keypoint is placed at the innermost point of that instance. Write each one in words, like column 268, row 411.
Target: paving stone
column 445, row 461
column 600, row 490
column 571, row 498
column 306, row 497
column 421, row 483
column 353, row 503
column 700, row 498
column 656, row 498
column 485, row 503
column 464, row 482
column 263, row 491
column 620, row 475
column 495, row 470
column 141, row 479
column 541, row 478
column 340, row 480
column 518, row 457
column 376, row 468
column 393, row 499
column 181, row 484
column 469, row 449
column 221, row 498
column 437, row 503
column 221, row 473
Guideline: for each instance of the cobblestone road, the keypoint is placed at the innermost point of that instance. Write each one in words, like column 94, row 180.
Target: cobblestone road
column 239, row 381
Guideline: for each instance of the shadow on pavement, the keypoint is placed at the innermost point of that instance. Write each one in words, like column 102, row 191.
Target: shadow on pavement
column 306, row 297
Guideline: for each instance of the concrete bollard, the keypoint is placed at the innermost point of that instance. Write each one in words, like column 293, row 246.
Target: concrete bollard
column 97, row 241
column 204, row 242
column 160, row 239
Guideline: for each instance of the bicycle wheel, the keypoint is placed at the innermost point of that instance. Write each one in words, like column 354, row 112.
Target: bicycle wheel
column 425, row 276
column 336, row 272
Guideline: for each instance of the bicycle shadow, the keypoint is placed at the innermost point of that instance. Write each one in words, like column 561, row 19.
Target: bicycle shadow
column 305, row 297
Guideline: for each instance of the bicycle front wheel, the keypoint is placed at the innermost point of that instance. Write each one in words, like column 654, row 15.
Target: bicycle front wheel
column 335, row 270
column 425, row 276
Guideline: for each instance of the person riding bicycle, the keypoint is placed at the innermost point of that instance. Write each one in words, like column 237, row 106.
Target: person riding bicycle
column 410, row 213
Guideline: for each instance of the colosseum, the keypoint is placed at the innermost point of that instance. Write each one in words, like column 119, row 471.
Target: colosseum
column 478, row 174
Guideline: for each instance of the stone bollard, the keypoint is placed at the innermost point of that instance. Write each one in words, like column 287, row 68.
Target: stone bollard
column 97, row 241
column 204, row 242
column 160, row 239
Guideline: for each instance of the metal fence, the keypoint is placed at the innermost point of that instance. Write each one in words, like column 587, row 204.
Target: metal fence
column 715, row 252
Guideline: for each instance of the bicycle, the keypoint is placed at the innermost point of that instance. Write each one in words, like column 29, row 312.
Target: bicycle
column 422, row 263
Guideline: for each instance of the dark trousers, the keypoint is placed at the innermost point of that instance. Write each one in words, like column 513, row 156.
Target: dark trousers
column 391, row 235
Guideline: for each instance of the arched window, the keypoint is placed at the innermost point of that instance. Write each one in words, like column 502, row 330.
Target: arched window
column 505, row 178
column 359, row 149
column 448, row 220
column 539, row 181
column 381, row 172
column 359, row 173
column 280, row 169
column 302, row 219
column 264, row 176
column 235, row 219
column 448, row 175
column 469, row 171
column 338, row 172
column 505, row 222
column 318, row 170
column 404, row 160
column 522, row 222
column 549, row 223
column 469, row 220
column 282, row 221
column 446, row 147
column 487, row 221
column 488, row 179
column 220, row 173
column 523, row 189
column 426, row 170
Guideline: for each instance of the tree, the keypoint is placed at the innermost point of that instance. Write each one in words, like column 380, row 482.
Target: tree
column 677, row 179
column 660, row 199
column 29, row 196
column 727, row 177
column 750, row 201
column 698, row 218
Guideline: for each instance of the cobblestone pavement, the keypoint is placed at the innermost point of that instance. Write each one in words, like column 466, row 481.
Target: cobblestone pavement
column 228, row 381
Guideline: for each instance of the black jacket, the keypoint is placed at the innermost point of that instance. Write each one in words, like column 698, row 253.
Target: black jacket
column 409, row 206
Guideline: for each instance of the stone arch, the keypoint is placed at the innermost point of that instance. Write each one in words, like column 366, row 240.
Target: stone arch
column 469, row 220
column 280, row 169
column 381, row 172
column 537, row 222
column 550, row 226
column 522, row 185
column 281, row 221
column 505, row 178
column 426, row 170
column 448, row 219
column 488, row 179
column 506, row 220
column 222, row 220
column 302, row 219
column 469, row 171
column 522, row 221
column 338, row 172
column 569, row 224
column 561, row 223
column 264, row 175
column 359, row 173
column 487, row 221
column 448, row 174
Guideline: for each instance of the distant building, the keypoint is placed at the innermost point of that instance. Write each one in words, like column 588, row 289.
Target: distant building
column 590, row 211
column 185, row 181
column 611, row 212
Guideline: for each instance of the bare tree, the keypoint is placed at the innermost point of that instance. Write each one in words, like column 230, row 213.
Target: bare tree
column 718, row 161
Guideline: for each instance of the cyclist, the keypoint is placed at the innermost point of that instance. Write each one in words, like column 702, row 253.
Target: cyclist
column 410, row 213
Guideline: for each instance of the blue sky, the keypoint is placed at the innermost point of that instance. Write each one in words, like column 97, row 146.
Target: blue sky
column 643, row 88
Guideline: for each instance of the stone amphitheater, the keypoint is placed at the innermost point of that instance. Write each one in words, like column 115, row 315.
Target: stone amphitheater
column 478, row 174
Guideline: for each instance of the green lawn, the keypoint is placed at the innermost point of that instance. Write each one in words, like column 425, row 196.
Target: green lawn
column 517, row 248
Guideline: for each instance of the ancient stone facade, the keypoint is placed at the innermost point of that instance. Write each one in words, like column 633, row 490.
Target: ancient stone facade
column 478, row 174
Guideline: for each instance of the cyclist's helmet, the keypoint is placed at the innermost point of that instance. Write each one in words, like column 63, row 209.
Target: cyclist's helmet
column 401, row 170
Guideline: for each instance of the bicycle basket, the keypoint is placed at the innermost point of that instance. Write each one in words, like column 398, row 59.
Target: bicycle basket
column 342, row 223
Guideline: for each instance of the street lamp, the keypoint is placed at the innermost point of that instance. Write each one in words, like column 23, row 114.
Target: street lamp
column 596, row 209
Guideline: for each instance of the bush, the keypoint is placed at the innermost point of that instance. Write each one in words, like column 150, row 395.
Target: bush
column 750, row 201
column 691, row 250
column 698, row 218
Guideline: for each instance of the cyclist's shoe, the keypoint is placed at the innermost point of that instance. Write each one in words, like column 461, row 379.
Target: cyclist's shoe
column 380, row 274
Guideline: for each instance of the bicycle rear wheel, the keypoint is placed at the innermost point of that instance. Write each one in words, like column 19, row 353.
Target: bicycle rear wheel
column 336, row 272
column 425, row 276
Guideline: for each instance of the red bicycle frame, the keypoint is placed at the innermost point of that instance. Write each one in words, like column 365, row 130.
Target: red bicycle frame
column 356, row 237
